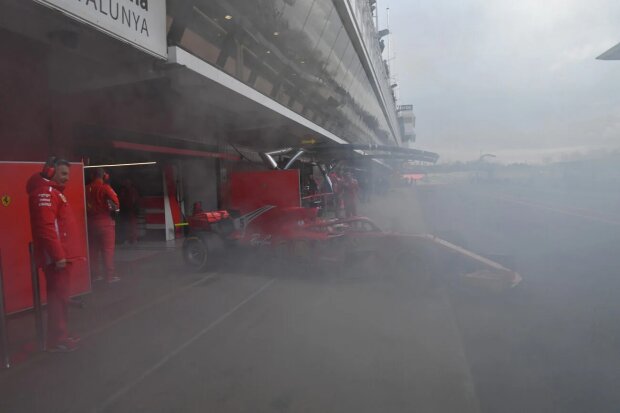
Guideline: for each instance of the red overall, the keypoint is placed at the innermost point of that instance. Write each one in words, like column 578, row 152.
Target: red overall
column 101, row 226
column 350, row 188
column 337, row 191
column 53, row 235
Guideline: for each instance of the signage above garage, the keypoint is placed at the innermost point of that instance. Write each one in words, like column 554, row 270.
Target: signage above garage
column 141, row 23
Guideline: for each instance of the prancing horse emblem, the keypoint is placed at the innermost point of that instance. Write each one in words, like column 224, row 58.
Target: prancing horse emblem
column 6, row 200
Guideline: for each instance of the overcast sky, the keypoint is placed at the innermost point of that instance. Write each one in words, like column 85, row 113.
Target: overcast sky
column 517, row 78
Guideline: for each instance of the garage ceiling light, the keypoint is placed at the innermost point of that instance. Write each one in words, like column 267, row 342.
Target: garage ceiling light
column 119, row 164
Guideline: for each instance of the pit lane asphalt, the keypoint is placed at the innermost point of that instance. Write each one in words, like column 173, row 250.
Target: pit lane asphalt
column 256, row 340
column 552, row 344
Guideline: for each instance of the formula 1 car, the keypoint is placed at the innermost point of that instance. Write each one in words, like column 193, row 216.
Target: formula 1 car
column 266, row 212
column 308, row 239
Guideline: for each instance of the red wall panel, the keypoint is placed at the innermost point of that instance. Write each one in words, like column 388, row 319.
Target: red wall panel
column 252, row 190
column 16, row 233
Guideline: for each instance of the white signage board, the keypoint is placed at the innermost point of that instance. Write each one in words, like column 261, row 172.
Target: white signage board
column 139, row 22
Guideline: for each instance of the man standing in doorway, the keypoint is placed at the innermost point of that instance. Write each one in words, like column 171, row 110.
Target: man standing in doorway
column 101, row 201
column 336, row 181
column 54, row 239
column 350, row 189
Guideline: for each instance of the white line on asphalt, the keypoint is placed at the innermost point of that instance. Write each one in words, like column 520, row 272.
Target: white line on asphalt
column 470, row 383
column 147, row 306
column 165, row 297
column 122, row 391
column 556, row 209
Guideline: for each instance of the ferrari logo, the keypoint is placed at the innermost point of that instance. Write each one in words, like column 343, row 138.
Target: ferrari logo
column 6, row 200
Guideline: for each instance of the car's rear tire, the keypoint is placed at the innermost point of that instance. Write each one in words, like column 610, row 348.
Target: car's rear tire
column 195, row 254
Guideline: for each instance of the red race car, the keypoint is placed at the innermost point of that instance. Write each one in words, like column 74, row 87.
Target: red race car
column 266, row 212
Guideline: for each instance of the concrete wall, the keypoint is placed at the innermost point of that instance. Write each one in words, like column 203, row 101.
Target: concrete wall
column 24, row 100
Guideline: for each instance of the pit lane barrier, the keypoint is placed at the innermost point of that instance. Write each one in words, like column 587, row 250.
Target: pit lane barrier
column 4, row 334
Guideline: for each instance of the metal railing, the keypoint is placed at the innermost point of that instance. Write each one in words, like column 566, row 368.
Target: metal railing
column 4, row 334
column 36, row 300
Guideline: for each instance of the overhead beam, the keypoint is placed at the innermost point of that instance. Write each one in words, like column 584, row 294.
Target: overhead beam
column 180, row 57
column 172, row 151
column 611, row 54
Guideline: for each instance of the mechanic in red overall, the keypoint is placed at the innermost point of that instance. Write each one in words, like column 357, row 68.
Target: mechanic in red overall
column 54, row 239
column 101, row 200
column 350, row 188
column 336, row 181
